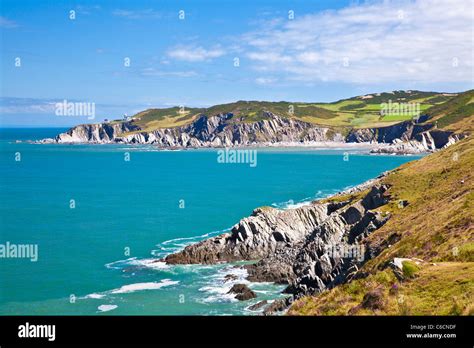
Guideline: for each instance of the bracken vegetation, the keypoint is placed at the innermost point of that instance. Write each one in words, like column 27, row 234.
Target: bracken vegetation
column 436, row 227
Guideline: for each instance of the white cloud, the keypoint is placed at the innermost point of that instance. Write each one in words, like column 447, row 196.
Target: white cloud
column 265, row 80
column 7, row 23
column 160, row 73
column 87, row 10
column 10, row 105
column 423, row 41
column 269, row 57
column 194, row 54
column 140, row 14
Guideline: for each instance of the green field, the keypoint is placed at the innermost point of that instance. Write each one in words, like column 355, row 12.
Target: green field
column 358, row 112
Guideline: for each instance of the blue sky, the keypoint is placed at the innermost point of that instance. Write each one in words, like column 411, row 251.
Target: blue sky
column 321, row 51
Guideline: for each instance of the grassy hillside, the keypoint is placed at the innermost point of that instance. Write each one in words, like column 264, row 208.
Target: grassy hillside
column 437, row 227
column 439, row 289
column 151, row 119
column 365, row 111
column 455, row 114
column 357, row 112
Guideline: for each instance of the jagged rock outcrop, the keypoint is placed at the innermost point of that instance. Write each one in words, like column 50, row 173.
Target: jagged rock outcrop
column 407, row 137
column 426, row 141
column 403, row 131
column 94, row 133
column 258, row 305
column 257, row 236
column 309, row 248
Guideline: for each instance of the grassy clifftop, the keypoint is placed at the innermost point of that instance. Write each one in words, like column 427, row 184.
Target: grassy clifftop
column 358, row 112
column 456, row 113
column 436, row 227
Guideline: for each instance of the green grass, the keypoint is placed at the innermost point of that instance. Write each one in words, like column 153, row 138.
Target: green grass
column 458, row 110
column 441, row 289
column 437, row 226
column 409, row 269
column 348, row 113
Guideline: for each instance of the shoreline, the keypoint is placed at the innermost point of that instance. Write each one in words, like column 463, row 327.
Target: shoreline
column 367, row 147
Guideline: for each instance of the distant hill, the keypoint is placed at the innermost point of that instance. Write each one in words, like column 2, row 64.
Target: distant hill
column 357, row 112
column 408, row 121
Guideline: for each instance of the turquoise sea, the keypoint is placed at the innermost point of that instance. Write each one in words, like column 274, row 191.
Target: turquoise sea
column 95, row 253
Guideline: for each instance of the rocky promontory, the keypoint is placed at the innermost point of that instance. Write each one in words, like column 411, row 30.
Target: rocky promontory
column 223, row 130
column 309, row 248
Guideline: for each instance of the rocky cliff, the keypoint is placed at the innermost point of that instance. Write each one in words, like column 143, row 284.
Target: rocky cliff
column 216, row 131
column 421, row 261
column 223, row 131
column 309, row 248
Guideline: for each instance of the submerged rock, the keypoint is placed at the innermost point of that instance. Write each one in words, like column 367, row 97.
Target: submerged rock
column 258, row 305
column 230, row 277
column 243, row 292
column 276, row 306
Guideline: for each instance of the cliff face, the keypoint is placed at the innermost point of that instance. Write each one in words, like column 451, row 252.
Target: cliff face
column 257, row 236
column 406, row 137
column 215, row 131
column 403, row 131
column 421, row 261
column 304, row 247
column 223, row 131
column 94, row 133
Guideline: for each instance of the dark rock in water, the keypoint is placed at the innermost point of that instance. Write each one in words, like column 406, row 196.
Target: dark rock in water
column 243, row 292
column 278, row 306
column 230, row 277
column 258, row 305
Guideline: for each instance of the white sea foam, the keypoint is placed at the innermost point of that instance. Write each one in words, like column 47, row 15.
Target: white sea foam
column 106, row 308
column 175, row 245
column 206, row 235
column 291, row 204
column 143, row 286
column 129, row 288
column 164, row 249
column 151, row 263
column 219, row 298
column 95, row 296
column 218, row 286
column 261, row 291
column 120, row 263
